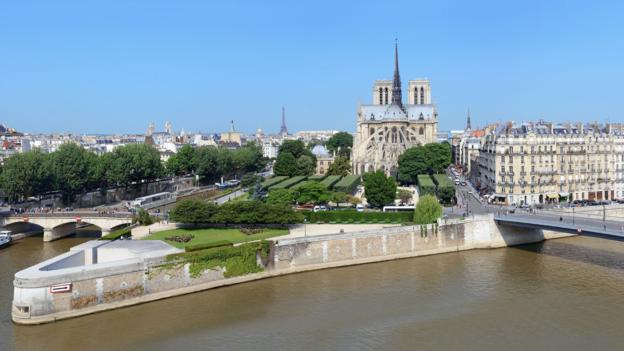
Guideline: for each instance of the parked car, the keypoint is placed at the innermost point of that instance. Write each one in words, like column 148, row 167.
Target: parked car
column 359, row 208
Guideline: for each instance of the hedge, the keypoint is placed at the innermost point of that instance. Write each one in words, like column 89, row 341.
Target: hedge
column 299, row 185
column 234, row 212
column 117, row 234
column 358, row 217
column 348, row 184
column 272, row 181
column 445, row 190
column 330, row 181
column 425, row 184
column 204, row 246
column 288, row 182
column 317, row 177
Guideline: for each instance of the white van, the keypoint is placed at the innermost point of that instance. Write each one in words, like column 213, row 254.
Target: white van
column 359, row 208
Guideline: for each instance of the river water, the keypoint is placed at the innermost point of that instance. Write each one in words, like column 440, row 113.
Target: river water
column 565, row 294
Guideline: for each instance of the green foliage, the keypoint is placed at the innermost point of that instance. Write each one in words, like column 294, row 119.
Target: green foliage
column 330, row 181
column 348, row 184
column 313, row 192
column 237, row 260
column 193, row 211
column 250, row 179
column 117, row 234
column 429, row 158
column 305, row 165
column 205, row 246
column 211, row 163
column 73, row 169
column 143, row 217
column 26, row 174
column 134, row 163
column 288, row 182
column 358, row 217
column 272, row 181
column 426, row 185
column 341, row 143
column 379, row 189
column 182, row 162
column 284, row 197
column 285, row 165
column 317, row 177
column 255, row 212
column 428, row 210
column 294, row 147
column 445, row 188
column 341, row 166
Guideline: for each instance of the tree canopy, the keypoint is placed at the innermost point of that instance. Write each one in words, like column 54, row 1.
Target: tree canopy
column 341, row 166
column 379, row 190
column 428, row 210
column 430, row 158
column 341, row 143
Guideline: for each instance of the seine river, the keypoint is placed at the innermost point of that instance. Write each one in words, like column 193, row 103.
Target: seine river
column 565, row 294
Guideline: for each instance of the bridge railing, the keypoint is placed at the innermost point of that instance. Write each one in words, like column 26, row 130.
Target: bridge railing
column 90, row 214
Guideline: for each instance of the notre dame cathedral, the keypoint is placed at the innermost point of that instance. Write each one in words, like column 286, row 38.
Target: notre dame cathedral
column 388, row 127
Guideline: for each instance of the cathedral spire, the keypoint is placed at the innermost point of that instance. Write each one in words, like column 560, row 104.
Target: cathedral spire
column 396, row 83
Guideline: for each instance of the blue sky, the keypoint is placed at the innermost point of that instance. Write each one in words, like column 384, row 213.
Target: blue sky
column 111, row 66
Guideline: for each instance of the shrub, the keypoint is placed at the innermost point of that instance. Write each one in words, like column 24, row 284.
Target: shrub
column 445, row 188
column 348, row 184
column 425, row 184
column 193, row 212
column 183, row 238
column 205, row 246
column 358, row 217
column 317, row 177
column 272, row 181
column 250, row 230
column 288, row 182
column 255, row 212
column 330, row 181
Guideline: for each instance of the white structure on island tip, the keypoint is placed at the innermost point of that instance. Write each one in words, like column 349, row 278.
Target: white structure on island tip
column 388, row 127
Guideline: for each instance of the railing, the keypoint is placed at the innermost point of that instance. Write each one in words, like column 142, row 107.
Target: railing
column 72, row 214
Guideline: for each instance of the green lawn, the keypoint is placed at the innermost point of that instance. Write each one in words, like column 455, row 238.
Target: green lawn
column 210, row 235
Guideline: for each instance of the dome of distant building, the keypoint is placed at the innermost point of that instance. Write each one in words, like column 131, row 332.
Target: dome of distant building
column 320, row 150
column 3, row 128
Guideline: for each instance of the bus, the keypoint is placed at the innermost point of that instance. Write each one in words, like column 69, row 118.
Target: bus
column 397, row 208
column 151, row 199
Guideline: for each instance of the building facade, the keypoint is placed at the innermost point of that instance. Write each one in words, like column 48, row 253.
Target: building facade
column 546, row 163
column 387, row 127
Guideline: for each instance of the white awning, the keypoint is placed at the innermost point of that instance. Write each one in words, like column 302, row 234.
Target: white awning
column 564, row 194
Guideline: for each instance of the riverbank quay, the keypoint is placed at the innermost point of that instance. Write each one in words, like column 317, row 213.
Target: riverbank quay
column 97, row 276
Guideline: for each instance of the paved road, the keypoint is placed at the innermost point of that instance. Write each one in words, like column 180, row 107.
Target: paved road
column 231, row 196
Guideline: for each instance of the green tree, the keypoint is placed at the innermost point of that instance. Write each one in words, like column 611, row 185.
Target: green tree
column 285, row 165
column 295, row 148
column 182, row 162
column 193, row 211
column 26, row 174
column 338, row 197
column 430, row 158
column 250, row 179
column 379, row 189
column 305, row 165
column 248, row 159
column 206, row 162
column 71, row 169
column 313, row 192
column 143, row 217
column 428, row 210
column 135, row 163
column 446, row 194
column 284, row 197
column 341, row 143
column 341, row 166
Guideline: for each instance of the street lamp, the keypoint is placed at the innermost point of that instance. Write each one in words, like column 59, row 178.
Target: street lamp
column 305, row 228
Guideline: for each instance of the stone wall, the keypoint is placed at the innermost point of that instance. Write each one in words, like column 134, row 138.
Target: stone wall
column 116, row 284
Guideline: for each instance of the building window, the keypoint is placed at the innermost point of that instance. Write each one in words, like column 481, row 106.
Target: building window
column 422, row 96
column 386, row 96
column 380, row 96
column 421, row 131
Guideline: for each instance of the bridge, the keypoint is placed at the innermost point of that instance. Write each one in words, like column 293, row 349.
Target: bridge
column 564, row 221
column 61, row 224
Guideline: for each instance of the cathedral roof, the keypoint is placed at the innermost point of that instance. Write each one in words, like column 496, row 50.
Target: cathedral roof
column 394, row 112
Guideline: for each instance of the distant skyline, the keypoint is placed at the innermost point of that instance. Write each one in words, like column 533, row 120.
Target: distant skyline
column 116, row 66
